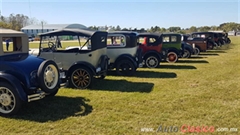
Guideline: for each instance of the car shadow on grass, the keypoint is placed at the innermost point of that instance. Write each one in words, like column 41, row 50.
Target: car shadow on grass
column 215, row 51
column 148, row 74
column 192, row 61
column 177, row 67
column 122, row 86
column 54, row 109
column 196, row 57
column 208, row 54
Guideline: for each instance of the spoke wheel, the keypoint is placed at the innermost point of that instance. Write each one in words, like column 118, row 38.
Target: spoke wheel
column 81, row 78
column 152, row 62
column 48, row 76
column 9, row 100
column 172, row 57
column 186, row 54
column 196, row 51
column 125, row 68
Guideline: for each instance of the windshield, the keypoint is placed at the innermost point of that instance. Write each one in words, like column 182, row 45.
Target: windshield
column 64, row 42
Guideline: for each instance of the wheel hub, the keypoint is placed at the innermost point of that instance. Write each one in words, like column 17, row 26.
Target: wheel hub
column 171, row 57
column 5, row 99
column 49, row 76
column 80, row 78
column 152, row 62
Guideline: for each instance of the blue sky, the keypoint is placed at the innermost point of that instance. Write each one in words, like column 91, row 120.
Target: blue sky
column 127, row 13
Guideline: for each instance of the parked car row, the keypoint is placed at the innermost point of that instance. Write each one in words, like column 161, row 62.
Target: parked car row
column 31, row 74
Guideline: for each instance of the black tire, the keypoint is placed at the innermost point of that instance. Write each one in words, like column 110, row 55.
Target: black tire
column 186, row 54
column 9, row 98
column 152, row 61
column 196, row 51
column 80, row 77
column 125, row 68
column 48, row 76
column 210, row 45
column 172, row 57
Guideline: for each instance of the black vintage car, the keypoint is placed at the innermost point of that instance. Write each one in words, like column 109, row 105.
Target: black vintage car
column 23, row 78
column 124, row 53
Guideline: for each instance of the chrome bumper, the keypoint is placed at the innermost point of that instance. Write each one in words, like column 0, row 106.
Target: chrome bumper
column 36, row 96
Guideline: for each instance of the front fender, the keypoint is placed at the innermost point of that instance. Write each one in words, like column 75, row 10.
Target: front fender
column 12, row 80
column 126, row 56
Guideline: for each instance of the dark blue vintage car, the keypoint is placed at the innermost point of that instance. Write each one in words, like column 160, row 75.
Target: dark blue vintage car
column 24, row 78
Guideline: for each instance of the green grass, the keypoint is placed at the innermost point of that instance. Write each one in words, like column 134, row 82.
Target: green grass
column 200, row 91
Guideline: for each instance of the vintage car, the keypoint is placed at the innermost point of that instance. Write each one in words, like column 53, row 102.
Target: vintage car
column 226, row 38
column 202, row 41
column 151, row 45
column 124, row 53
column 78, row 64
column 188, row 50
column 172, row 43
column 23, row 78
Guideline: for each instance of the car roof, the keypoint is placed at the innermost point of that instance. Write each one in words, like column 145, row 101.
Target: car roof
column 202, row 32
column 123, row 32
column 79, row 32
column 150, row 34
column 10, row 32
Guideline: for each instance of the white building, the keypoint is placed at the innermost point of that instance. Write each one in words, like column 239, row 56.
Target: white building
column 231, row 33
column 34, row 30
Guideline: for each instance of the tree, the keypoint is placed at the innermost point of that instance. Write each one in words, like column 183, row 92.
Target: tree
column 229, row 26
column 16, row 22
column 174, row 29
column 193, row 29
column 125, row 29
column 118, row 28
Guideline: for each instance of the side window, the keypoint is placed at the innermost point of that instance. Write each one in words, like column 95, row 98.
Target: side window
column 142, row 40
column 173, row 38
column 116, row 41
column 152, row 40
column 103, row 39
column 166, row 39
column 12, row 44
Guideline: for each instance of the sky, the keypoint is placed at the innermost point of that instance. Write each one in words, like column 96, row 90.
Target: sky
column 127, row 13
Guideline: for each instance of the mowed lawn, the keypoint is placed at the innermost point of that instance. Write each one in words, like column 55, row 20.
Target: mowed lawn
column 199, row 91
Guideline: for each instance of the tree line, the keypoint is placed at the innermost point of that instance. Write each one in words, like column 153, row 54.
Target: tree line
column 226, row 27
column 17, row 21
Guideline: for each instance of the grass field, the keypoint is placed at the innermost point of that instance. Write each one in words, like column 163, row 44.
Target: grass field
column 200, row 91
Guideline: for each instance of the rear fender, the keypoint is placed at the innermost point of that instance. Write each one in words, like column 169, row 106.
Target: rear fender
column 12, row 80
column 126, row 56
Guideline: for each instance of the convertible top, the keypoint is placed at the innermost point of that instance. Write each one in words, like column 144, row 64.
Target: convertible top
column 73, row 32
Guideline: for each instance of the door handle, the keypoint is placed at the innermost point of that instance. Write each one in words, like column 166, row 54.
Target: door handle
column 90, row 55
